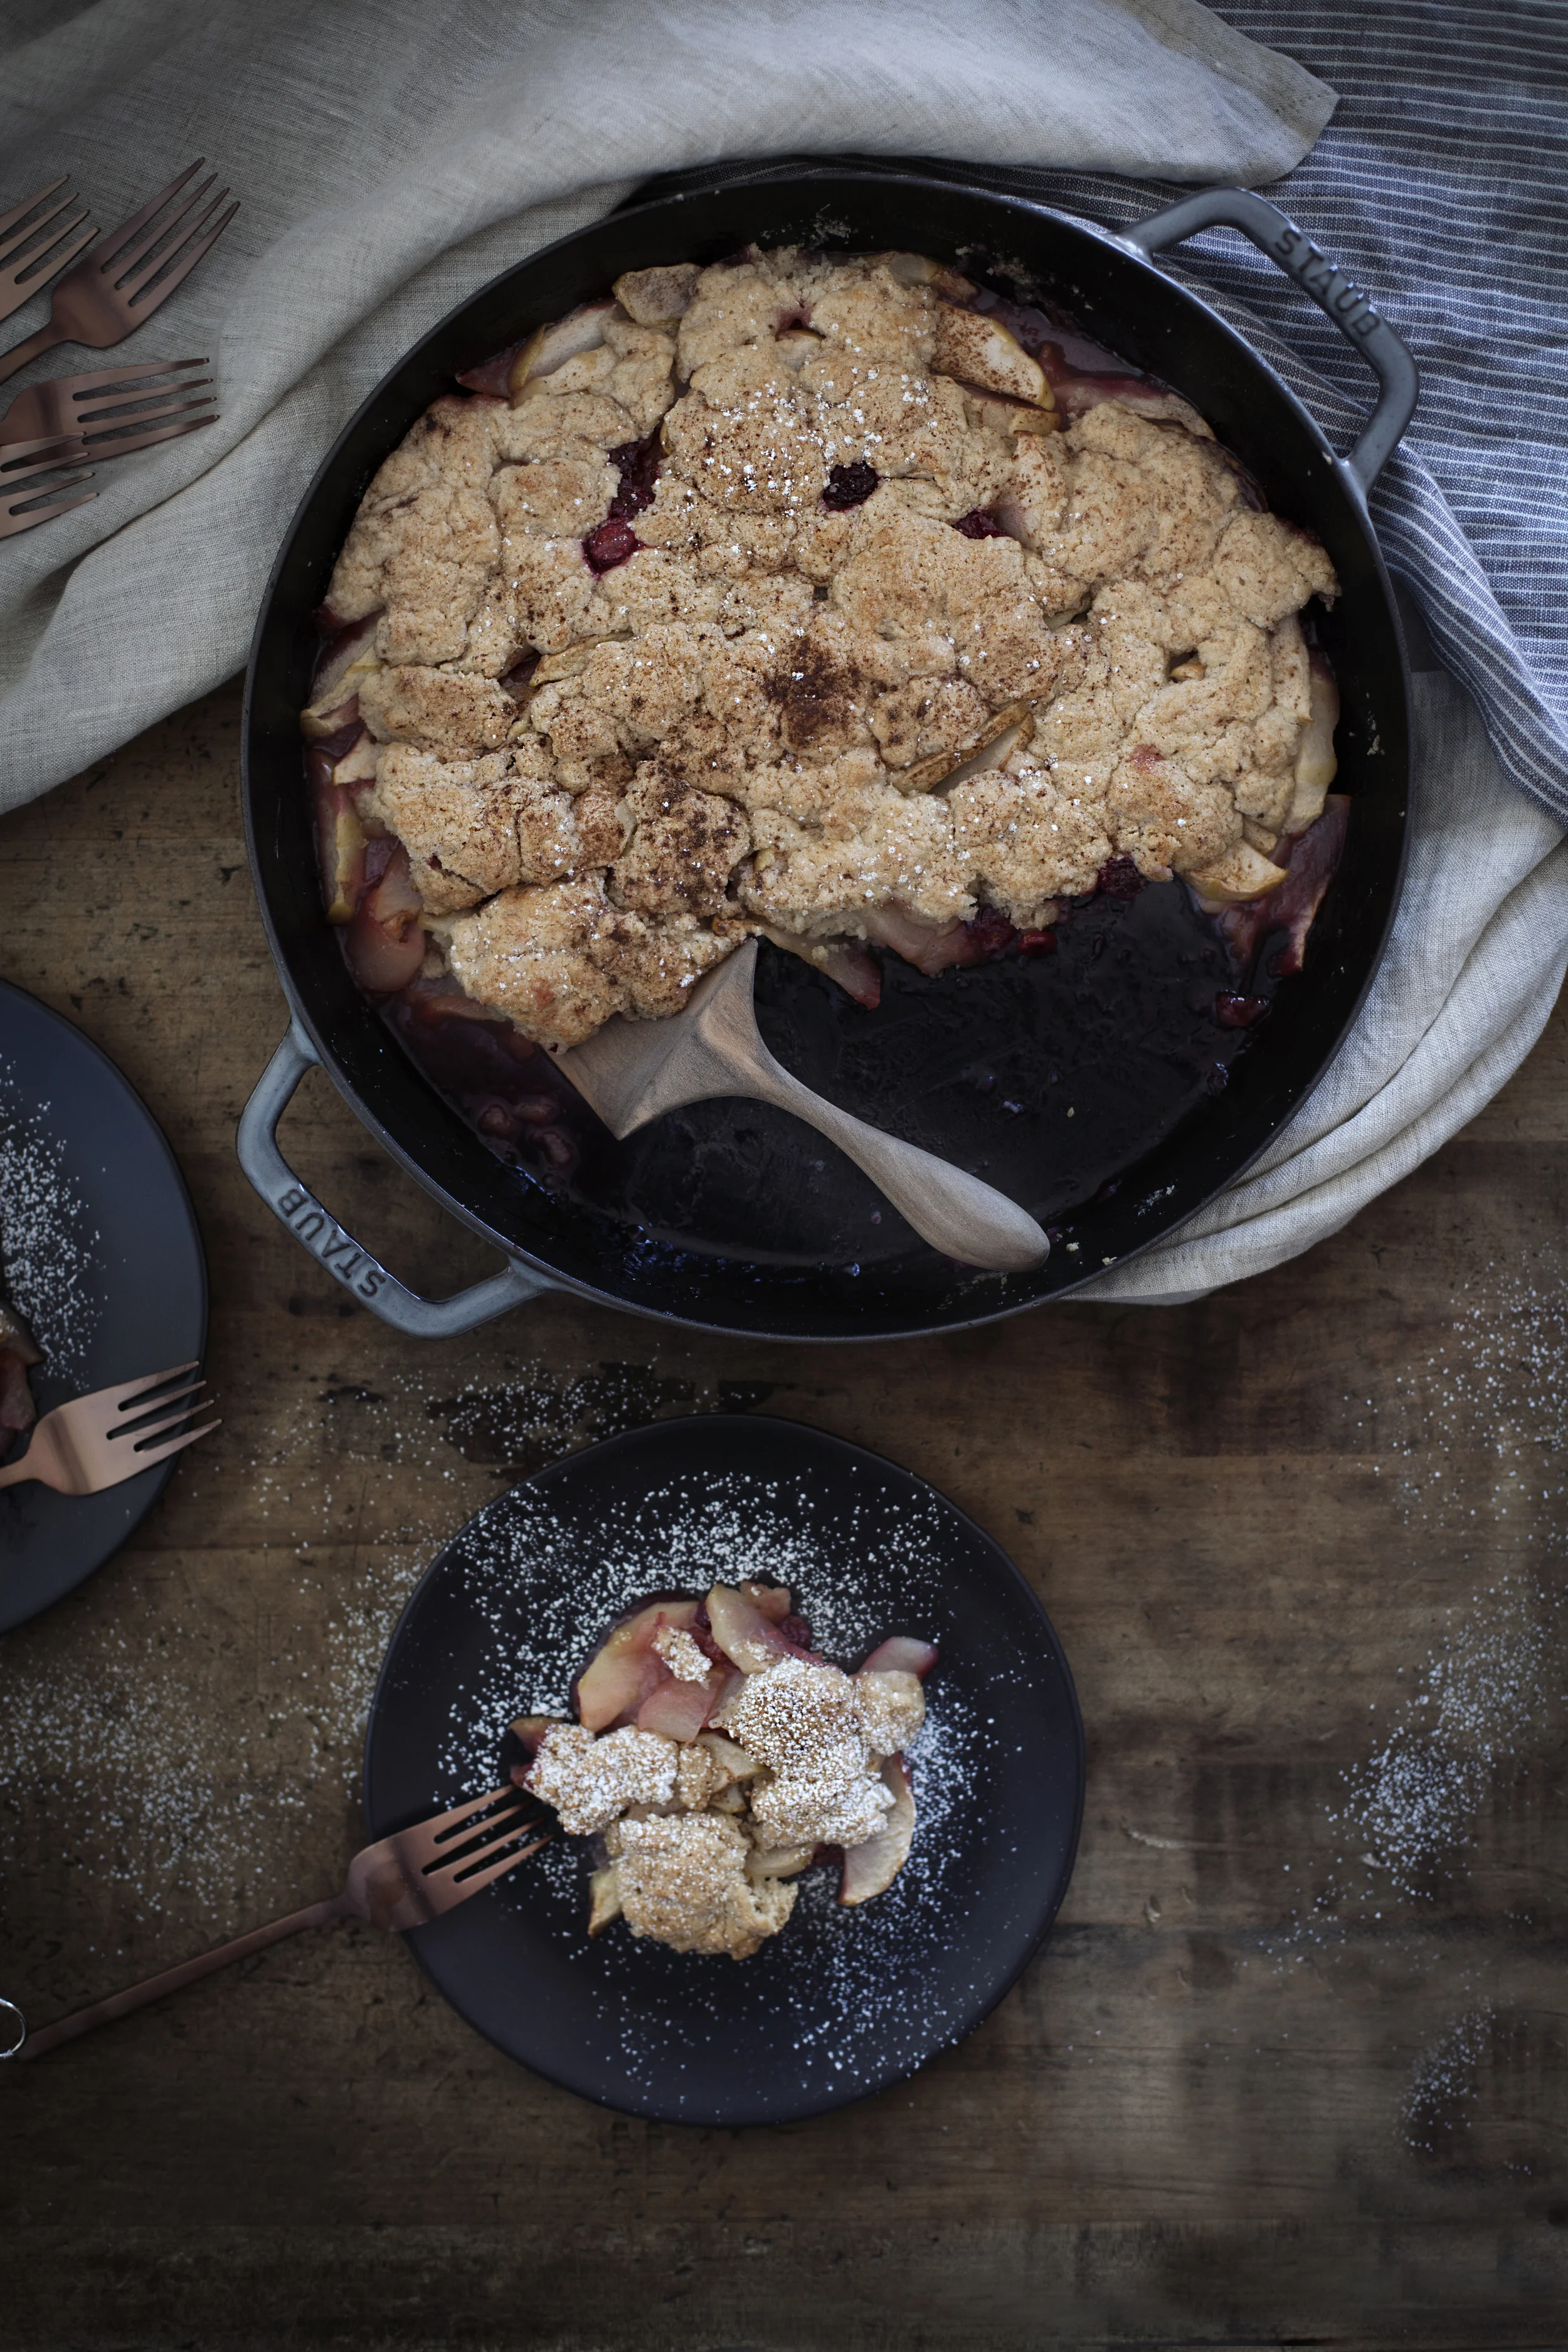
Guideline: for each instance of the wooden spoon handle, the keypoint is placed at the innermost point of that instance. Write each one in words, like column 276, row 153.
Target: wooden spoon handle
column 120, row 2004
column 954, row 1212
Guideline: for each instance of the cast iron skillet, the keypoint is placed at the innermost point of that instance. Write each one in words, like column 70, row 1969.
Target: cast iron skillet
column 745, row 1226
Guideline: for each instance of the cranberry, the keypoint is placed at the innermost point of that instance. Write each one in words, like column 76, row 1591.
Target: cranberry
column 797, row 1629
column 1119, row 877
column 1238, row 1011
column 1037, row 944
column 980, row 524
column 496, row 1120
column 989, row 935
column 611, row 545
column 638, row 465
column 849, row 486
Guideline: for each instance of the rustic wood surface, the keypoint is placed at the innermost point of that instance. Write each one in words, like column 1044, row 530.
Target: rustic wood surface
column 1291, row 2068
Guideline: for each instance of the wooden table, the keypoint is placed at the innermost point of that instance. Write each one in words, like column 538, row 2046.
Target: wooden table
column 1291, row 2068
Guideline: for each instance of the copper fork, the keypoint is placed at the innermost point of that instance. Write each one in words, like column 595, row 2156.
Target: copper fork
column 30, row 473
column 115, row 410
column 22, row 271
column 119, row 285
column 98, row 1440
column 401, row 1882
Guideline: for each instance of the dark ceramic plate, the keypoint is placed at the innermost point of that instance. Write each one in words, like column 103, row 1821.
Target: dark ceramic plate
column 104, row 1208
column 841, row 2002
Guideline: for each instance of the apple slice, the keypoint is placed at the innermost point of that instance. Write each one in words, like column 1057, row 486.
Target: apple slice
column 549, row 348
column 774, row 1601
column 1317, row 762
column 847, row 961
column 871, row 1868
column 747, row 1639
column 779, row 1860
column 902, row 1654
column 656, row 297
column 345, row 662
column 605, row 1899
column 680, row 1710
column 384, row 942
column 341, row 842
column 1242, row 873
column 919, row 269
column 980, row 351
column 623, row 1670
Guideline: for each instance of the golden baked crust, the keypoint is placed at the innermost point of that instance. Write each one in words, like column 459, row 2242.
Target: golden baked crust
column 617, row 729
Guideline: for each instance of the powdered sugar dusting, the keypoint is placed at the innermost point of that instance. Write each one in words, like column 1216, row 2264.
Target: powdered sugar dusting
column 48, row 1246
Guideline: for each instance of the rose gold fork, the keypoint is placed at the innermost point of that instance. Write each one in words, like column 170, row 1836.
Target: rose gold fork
column 119, row 285
column 96, row 1441
column 115, row 410
column 30, row 472
column 401, row 1882
column 22, row 273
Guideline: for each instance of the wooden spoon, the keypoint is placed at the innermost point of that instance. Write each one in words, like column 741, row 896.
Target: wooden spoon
column 631, row 1071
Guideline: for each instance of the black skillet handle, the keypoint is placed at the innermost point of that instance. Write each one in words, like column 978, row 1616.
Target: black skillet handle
column 362, row 1277
column 1273, row 234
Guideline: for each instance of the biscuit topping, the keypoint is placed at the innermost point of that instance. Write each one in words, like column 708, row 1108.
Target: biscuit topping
column 780, row 595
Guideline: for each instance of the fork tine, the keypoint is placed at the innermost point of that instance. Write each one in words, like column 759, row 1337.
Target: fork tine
column 444, row 1828
column 54, row 256
column 145, row 1430
column 143, row 1387
column 125, row 406
column 21, row 458
column 11, row 522
column 135, row 1428
column 487, row 1841
column 471, row 1882
column 99, row 449
column 12, row 242
column 92, row 381
column 161, row 1452
column 108, row 247
column 153, row 295
column 31, row 203
column 135, row 253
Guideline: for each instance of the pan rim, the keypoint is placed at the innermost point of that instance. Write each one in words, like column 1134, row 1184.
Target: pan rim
column 784, row 176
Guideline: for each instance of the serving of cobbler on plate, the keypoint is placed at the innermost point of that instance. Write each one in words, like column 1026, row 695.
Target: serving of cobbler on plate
column 715, row 1757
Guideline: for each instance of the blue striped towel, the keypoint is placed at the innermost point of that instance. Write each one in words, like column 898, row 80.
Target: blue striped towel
column 1438, row 188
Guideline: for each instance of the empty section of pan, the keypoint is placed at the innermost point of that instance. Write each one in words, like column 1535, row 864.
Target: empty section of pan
column 1049, row 1077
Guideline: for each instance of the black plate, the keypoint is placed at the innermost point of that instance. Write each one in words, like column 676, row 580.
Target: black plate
column 840, row 2004
column 137, row 1300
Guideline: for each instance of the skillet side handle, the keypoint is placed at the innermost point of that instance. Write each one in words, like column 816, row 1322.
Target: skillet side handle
column 1276, row 235
column 362, row 1276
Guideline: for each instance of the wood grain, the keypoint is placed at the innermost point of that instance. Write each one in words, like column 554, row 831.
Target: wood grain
column 1300, row 1540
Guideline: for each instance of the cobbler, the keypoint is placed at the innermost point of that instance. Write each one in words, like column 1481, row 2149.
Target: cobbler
column 715, row 1756
column 818, row 597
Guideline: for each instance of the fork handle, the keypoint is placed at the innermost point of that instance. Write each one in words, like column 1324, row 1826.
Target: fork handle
column 13, row 1473
column 120, row 2004
column 44, row 340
